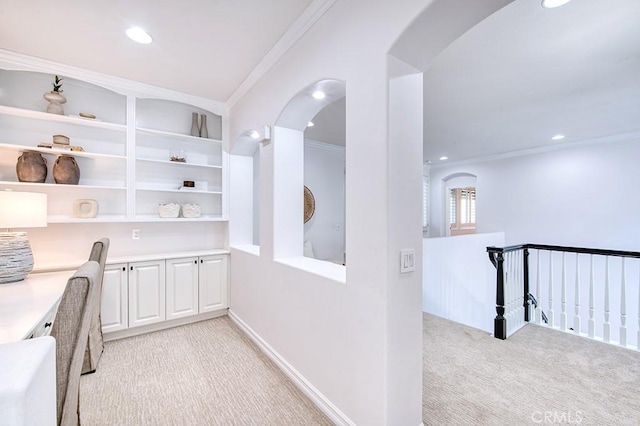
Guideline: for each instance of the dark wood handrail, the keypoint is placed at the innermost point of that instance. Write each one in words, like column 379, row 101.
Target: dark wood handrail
column 584, row 250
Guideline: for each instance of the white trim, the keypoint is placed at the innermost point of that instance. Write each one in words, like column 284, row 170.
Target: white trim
column 163, row 325
column 321, row 401
column 547, row 148
column 324, row 145
column 309, row 17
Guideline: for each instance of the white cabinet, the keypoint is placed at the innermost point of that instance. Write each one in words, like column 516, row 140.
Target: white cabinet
column 182, row 287
column 213, row 283
column 196, row 285
column 160, row 293
column 146, row 292
column 114, row 309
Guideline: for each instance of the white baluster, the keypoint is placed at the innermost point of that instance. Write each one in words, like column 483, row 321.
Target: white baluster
column 592, row 322
column 623, row 308
column 538, row 310
column 551, row 323
column 606, row 332
column 563, row 296
column 576, row 316
column 520, row 287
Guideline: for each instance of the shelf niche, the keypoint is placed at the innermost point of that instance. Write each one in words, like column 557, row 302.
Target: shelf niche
column 174, row 117
column 25, row 89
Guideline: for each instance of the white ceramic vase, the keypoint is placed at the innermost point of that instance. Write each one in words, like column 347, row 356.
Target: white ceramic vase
column 55, row 102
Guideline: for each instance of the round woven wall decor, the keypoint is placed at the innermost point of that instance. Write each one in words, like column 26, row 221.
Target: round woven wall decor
column 309, row 204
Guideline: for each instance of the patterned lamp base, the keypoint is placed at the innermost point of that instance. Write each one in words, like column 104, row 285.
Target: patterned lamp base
column 16, row 259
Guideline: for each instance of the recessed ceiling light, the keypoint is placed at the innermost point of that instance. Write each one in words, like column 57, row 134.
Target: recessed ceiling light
column 310, row 124
column 444, row 157
column 254, row 134
column 557, row 137
column 550, row 4
column 318, row 94
column 139, row 35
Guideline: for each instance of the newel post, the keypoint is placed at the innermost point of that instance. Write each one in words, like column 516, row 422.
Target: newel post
column 500, row 322
column 526, row 303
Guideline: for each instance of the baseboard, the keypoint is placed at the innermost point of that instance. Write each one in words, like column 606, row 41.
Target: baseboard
column 162, row 325
column 322, row 402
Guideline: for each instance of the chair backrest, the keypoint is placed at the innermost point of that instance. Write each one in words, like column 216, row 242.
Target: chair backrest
column 71, row 330
column 95, row 344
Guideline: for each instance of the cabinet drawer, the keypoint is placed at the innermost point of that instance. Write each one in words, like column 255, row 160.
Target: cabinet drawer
column 44, row 327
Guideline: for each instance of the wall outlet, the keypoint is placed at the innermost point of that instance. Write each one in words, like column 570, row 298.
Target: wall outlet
column 135, row 234
column 407, row 261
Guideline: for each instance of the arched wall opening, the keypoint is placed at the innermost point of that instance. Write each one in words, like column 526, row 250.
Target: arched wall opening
column 287, row 155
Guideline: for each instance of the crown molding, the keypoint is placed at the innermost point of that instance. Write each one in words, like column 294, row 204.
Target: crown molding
column 324, row 146
column 20, row 62
column 309, row 17
column 547, row 148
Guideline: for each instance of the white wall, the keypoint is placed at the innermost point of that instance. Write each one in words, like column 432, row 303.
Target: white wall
column 583, row 195
column 459, row 281
column 70, row 244
column 358, row 343
column 324, row 175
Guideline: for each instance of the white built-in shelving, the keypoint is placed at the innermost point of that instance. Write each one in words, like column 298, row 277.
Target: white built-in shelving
column 125, row 161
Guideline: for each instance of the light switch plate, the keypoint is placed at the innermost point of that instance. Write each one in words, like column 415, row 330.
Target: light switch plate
column 407, row 261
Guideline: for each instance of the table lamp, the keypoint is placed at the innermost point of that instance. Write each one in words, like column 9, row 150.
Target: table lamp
column 19, row 210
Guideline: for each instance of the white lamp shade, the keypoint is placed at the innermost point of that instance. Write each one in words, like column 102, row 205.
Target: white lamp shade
column 23, row 209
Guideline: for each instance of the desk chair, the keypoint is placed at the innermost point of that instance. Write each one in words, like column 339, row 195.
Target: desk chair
column 71, row 331
column 95, row 344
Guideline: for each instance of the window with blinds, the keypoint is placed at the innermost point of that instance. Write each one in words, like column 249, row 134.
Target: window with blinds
column 462, row 207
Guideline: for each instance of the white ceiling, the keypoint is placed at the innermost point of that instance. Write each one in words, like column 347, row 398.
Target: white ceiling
column 201, row 47
column 527, row 73
column 509, row 84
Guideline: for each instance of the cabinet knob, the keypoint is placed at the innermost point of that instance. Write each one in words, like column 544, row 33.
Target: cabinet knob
column 124, row 268
column 47, row 324
column 195, row 261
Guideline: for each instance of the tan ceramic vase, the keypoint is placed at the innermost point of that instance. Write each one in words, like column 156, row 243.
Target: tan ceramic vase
column 66, row 170
column 31, row 167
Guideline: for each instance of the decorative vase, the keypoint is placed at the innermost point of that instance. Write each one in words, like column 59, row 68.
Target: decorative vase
column 204, row 133
column 31, row 167
column 195, row 129
column 55, row 102
column 66, row 170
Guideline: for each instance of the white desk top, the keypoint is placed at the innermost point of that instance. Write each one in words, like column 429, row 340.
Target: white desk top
column 24, row 304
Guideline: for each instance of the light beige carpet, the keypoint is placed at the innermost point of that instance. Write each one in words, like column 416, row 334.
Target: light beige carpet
column 207, row 373
column 537, row 376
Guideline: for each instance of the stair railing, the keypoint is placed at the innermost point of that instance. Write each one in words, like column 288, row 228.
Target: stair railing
column 607, row 271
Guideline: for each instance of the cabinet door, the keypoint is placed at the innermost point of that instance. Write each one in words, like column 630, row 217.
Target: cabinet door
column 113, row 310
column 182, row 287
column 213, row 283
column 146, row 292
